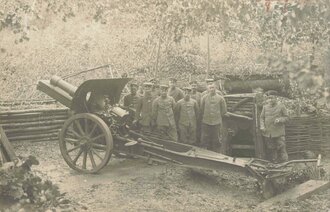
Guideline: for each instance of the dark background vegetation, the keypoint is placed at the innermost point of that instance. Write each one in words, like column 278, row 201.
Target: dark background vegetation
column 162, row 38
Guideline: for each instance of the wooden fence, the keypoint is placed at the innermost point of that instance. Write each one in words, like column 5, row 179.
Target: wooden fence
column 33, row 124
column 308, row 133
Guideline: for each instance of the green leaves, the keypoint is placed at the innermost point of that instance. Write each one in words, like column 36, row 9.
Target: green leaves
column 24, row 187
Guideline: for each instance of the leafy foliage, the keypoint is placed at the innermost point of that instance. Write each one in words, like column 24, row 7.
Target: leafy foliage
column 281, row 34
column 24, row 188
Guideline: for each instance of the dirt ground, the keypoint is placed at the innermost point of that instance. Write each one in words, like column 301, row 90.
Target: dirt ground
column 133, row 185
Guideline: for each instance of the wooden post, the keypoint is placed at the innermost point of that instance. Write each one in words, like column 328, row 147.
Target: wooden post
column 158, row 55
column 208, row 53
column 7, row 150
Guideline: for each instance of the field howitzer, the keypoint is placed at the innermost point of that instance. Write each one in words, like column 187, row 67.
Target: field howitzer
column 100, row 127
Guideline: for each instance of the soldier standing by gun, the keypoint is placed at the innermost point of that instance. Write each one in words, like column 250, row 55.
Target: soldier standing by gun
column 130, row 100
column 155, row 88
column 186, row 112
column 198, row 97
column 163, row 115
column 272, row 119
column 143, row 114
column 194, row 93
column 212, row 81
column 213, row 107
column 174, row 91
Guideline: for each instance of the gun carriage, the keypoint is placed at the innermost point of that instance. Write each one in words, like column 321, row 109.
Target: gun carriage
column 99, row 127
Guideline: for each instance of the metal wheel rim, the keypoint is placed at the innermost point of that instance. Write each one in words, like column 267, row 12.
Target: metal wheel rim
column 86, row 147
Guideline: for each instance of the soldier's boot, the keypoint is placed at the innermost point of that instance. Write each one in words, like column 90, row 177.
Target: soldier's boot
column 172, row 133
column 273, row 155
column 282, row 155
column 281, row 151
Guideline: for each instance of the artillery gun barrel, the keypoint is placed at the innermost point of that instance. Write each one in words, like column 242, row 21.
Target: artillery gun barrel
column 58, row 89
column 67, row 87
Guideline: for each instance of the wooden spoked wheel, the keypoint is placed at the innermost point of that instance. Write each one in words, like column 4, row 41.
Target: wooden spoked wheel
column 86, row 143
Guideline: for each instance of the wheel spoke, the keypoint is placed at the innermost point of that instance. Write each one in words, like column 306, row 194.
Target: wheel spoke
column 84, row 160
column 74, row 148
column 98, row 146
column 86, row 126
column 97, row 137
column 92, row 158
column 77, row 156
column 93, row 129
column 75, row 133
column 79, row 128
column 72, row 141
column 97, row 154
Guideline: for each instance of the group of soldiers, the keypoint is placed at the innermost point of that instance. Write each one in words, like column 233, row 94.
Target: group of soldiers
column 184, row 115
column 188, row 116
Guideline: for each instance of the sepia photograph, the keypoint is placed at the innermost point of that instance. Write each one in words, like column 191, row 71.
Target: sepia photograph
column 165, row 105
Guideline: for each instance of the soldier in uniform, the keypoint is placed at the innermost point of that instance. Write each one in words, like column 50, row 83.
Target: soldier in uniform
column 143, row 113
column 155, row 88
column 140, row 90
column 186, row 113
column 211, row 81
column 130, row 100
column 198, row 97
column 163, row 115
column 272, row 119
column 194, row 93
column 174, row 91
column 213, row 108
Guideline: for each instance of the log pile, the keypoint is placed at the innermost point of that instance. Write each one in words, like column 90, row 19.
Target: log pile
column 308, row 133
column 235, row 84
column 242, row 105
column 34, row 124
column 25, row 103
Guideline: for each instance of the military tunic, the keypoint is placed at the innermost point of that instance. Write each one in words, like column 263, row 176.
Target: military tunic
column 267, row 120
column 162, row 110
column 213, row 107
column 274, row 133
column 131, row 100
column 197, row 96
column 186, row 113
column 144, row 111
column 176, row 93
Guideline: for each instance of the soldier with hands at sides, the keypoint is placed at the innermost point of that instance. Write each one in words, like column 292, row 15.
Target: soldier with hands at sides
column 194, row 93
column 174, row 91
column 186, row 114
column 213, row 108
column 163, row 115
column 130, row 100
column 272, row 119
column 143, row 114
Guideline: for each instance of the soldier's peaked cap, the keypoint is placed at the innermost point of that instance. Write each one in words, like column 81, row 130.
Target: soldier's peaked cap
column 147, row 84
column 271, row 93
column 163, row 86
column 209, row 80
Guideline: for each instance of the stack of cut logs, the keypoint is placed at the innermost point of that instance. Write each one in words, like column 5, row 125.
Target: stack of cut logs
column 33, row 125
column 302, row 133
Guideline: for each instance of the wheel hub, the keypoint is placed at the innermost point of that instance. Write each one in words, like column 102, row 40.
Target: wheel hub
column 85, row 143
